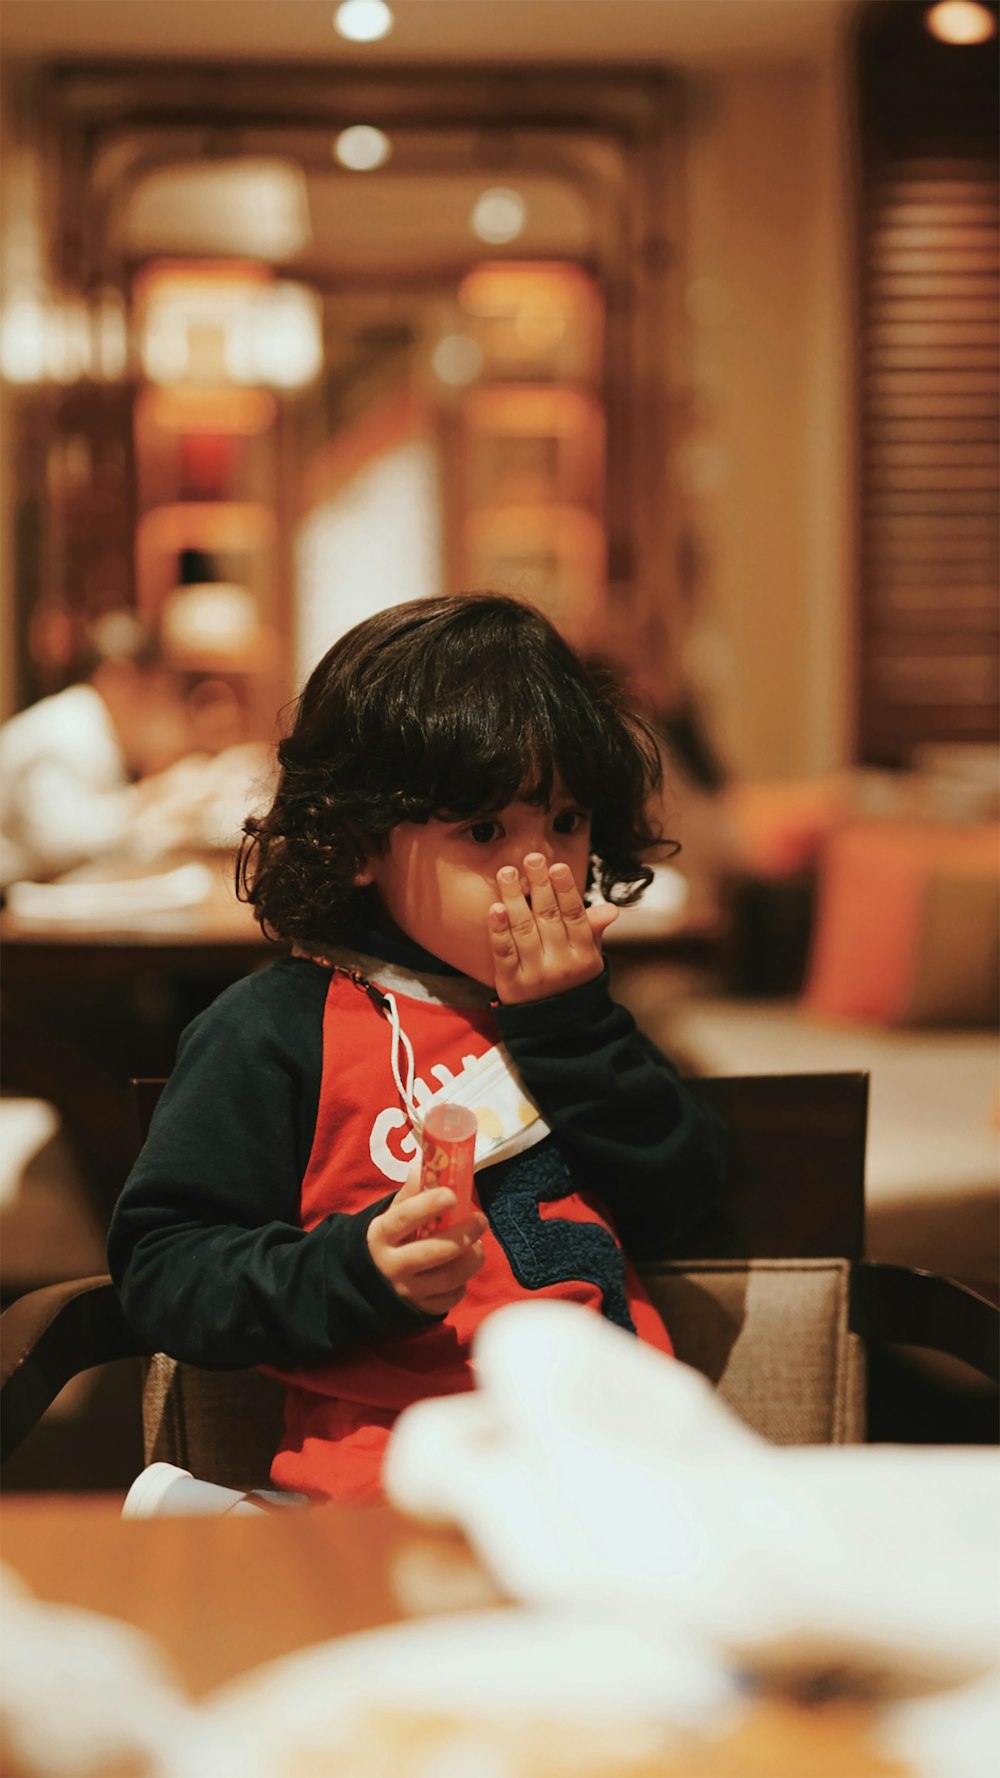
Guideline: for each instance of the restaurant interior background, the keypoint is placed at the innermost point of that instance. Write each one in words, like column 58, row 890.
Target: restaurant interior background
column 679, row 319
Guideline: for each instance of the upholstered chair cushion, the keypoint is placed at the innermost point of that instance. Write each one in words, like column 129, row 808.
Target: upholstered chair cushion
column 771, row 1334
column 224, row 1426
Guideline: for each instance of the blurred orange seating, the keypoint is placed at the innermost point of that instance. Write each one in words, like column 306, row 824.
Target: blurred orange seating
column 907, row 921
column 778, row 828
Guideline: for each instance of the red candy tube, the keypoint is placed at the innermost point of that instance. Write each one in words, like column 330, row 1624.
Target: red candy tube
column 449, row 1147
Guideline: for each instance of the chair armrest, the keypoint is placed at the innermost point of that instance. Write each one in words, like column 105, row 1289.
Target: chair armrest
column 47, row 1337
column 899, row 1305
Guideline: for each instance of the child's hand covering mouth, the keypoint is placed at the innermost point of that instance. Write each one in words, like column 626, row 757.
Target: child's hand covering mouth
column 543, row 940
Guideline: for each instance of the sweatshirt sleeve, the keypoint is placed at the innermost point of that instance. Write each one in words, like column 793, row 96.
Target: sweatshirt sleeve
column 206, row 1245
column 632, row 1132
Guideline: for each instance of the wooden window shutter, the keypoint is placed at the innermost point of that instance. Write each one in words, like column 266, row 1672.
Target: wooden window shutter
column 929, row 391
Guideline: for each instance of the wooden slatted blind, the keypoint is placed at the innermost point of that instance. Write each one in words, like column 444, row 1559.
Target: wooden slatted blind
column 930, row 425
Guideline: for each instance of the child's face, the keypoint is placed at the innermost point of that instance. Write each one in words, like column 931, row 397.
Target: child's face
column 438, row 880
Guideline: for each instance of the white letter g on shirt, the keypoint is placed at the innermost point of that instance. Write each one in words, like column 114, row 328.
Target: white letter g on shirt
column 394, row 1166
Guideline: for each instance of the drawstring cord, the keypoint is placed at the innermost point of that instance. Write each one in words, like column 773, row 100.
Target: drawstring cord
column 385, row 1002
column 401, row 1041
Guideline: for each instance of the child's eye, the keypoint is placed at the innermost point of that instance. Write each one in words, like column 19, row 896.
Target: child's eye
column 569, row 821
column 482, row 833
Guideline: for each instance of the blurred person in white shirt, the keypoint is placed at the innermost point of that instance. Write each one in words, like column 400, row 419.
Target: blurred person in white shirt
column 77, row 768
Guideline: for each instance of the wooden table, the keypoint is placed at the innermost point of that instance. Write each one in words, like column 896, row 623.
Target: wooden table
column 190, row 937
column 221, row 1595
column 89, row 1005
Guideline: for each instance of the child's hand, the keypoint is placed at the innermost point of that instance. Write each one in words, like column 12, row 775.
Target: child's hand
column 428, row 1270
column 551, row 945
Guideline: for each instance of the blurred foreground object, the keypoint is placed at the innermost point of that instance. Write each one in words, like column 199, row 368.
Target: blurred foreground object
column 586, row 1470
column 117, row 1709
column 494, row 1693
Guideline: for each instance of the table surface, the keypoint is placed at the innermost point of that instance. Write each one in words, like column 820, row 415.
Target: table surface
column 217, row 920
column 222, row 1595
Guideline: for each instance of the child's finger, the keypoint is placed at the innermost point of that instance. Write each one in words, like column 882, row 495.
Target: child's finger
column 447, row 1275
column 441, row 1249
column 584, row 926
column 544, row 905
column 600, row 918
column 411, row 1183
column 520, row 918
column 407, row 1213
column 569, row 898
column 506, row 962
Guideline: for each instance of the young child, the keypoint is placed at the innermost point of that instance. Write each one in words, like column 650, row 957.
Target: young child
column 453, row 782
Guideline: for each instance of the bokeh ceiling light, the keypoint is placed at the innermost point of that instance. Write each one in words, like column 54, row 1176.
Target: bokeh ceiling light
column 362, row 148
column 498, row 215
column 457, row 360
column 363, row 21
column 960, row 21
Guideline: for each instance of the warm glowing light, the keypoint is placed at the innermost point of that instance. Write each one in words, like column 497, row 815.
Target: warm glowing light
column 46, row 340
column 362, row 148
column 23, row 339
column 256, row 205
column 222, row 411
column 363, row 21
column 457, row 360
column 960, row 21
column 212, row 329
column 503, row 287
column 288, row 337
column 540, row 328
column 498, row 215
column 213, row 618
column 539, row 413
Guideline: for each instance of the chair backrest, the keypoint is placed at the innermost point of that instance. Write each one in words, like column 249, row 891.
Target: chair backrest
column 796, row 1177
column 757, row 1301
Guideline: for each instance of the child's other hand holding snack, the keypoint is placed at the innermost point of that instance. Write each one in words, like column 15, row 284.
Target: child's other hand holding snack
column 429, row 1270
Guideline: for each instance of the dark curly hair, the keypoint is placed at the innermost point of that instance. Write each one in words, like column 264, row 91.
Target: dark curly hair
column 446, row 707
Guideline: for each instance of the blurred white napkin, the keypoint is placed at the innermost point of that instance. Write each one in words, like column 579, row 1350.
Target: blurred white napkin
column 482, row 1673
column 111, row 903
column 587, row 1467
column 953, row 1734
column 26, row 1125
column 82, row 1695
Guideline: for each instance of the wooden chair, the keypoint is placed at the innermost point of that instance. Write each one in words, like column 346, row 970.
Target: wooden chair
column 771, row 1300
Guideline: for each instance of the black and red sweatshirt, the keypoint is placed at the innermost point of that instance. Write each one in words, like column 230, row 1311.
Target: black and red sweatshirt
column 240, row 1236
